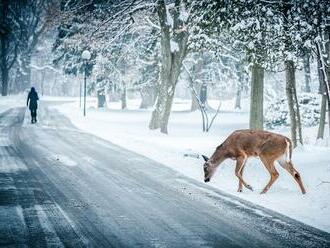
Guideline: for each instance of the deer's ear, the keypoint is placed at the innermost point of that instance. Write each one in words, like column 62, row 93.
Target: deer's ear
column 205, row 158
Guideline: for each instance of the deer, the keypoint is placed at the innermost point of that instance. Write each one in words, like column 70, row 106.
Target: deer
column 242, row 144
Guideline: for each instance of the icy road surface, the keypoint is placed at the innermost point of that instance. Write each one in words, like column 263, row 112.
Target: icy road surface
column 60, row 187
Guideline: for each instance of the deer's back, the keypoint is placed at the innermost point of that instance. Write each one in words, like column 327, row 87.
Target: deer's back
column 255, row 142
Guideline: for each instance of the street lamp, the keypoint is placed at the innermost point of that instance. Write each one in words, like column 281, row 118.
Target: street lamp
column 86, row 55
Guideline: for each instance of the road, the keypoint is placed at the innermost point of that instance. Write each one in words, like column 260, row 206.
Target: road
column 61, row 187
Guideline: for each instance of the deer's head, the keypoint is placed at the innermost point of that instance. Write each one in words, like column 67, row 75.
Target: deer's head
column 208, row 169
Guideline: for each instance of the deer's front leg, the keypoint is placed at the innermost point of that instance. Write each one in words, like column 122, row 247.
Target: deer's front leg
column 239, row 173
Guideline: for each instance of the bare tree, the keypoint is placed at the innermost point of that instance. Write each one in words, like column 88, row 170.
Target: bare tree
column 207, row 121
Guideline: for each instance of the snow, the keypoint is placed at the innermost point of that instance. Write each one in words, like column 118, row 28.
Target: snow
column 129, row 129
column 184, row 15
column 7, row 102
column 169, row 18
column 174, row 46
column 251, row 45
column 45, row 222
column 64, row 160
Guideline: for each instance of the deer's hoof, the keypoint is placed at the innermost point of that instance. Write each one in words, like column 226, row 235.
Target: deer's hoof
column 263, row 192
column 239, row 190
column 249, row 187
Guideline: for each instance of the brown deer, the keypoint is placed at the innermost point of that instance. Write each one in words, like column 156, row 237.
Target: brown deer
column 242, row 144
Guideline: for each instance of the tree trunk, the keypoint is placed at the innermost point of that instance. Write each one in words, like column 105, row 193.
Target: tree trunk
column 307, row 70
column 195, row 72
column 160, row 115
column 327, row 72
column 296, row 133
column 124, row 97
column 320, row 132
column 328, row 99
column 5, row 79
column 238, row 98
column 194, row 101
column 4, row 48
column 323, row 53
column 157, row 113
column 101, row 99
column 257, row 88
column 43, row 73
column 239, row 87
column 147, row 97
column 113, row 96
column 4, row 68
column 167, row 112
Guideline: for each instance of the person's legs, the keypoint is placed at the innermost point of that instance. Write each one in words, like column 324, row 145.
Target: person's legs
column 31, row 110
column 33, row 115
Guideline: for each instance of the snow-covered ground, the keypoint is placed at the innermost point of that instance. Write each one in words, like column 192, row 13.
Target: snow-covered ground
column 129, row 129
column 7, row 102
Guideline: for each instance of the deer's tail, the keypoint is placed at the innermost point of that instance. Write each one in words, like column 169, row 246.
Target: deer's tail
column 288, row 150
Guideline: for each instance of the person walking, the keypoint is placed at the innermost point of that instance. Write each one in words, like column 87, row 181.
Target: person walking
column 32, row 102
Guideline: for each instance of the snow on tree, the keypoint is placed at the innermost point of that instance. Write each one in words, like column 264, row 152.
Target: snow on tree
column 174, row 46
column 278, row 112
column 22, row 24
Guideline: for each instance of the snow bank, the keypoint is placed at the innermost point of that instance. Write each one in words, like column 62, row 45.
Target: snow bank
column 7, row 102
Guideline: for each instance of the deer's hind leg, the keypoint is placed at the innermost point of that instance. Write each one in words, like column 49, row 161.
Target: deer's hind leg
column 269, row 164
column 240, row 184
column 294, row 173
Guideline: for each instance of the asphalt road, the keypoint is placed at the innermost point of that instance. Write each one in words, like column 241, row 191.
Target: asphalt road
column 60, row 187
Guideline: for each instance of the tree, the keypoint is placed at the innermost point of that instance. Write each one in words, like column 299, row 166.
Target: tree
column 244, row 30
column 9, row 37
column 323, row 54
column 314, row 15
column 307, row 71
column 125, row 40
column 320, row 132
column 201, row 100
column 293, row 102
column 148, row 74
column 241, row 84
column 289, row 22
column 173, row 45
column 32, row 17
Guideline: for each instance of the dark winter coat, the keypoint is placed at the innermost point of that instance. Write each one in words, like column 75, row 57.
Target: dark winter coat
column 33, row 98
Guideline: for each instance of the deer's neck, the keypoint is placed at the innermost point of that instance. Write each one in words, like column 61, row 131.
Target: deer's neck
column 218, row 157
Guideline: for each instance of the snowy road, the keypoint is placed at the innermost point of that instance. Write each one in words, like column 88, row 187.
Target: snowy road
column 60, row 187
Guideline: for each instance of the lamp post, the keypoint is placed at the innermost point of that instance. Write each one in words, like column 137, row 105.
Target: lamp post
column 86, row 55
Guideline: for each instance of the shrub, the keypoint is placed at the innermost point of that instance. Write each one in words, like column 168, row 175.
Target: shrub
column 277, row 112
